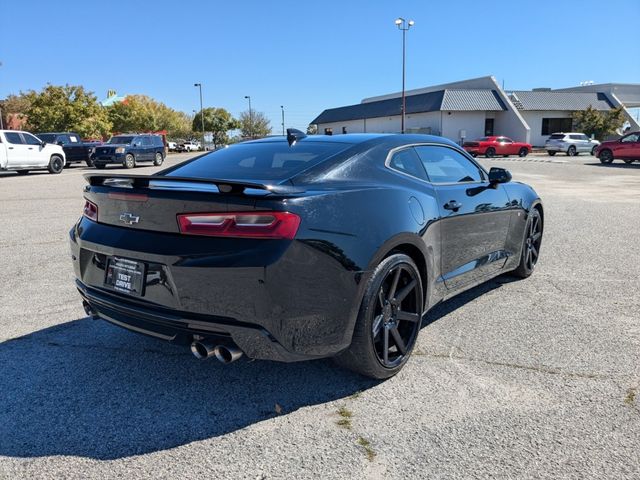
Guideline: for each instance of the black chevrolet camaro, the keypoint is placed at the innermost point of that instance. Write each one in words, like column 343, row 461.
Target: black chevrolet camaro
column 300, row 247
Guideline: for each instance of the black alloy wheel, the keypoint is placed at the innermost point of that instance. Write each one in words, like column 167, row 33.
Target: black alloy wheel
column 572, row 152
column 389, row 320
column 158, row 160
column 490, row 153
column 551, row 152
column 523, row 152
column 606, row 156
column 56, row 164
column 129, row 161
column 531, row 245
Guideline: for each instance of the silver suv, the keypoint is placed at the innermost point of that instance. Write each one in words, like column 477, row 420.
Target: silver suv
column 570, row 143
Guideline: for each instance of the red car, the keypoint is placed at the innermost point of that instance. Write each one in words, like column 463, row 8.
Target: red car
column 626, row 148
column 492, row 146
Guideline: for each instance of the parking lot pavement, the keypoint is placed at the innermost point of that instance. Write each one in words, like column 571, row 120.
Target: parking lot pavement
column 537, row 378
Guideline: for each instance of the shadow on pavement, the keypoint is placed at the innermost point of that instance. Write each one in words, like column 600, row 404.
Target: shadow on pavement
column 86, row 388
column 635, row 165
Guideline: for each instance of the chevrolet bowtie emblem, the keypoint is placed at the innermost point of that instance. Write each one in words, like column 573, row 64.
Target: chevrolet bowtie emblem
column 129, row 219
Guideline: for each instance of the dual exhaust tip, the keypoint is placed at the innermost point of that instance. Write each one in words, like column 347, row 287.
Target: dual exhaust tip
column 224, row 353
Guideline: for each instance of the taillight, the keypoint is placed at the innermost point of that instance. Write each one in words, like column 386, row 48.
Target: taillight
column 282, row 225
column 90, row 211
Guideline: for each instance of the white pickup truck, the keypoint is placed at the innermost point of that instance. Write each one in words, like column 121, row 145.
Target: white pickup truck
column 21, row 152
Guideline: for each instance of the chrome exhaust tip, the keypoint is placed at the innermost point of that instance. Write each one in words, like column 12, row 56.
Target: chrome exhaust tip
column 227, row 354
column 202, row 350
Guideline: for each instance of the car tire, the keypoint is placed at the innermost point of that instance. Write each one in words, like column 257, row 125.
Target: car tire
column 523, row 152
column 505, row 156
column 551, row 153
column 158, row 160
column 593, row 151
column 490, row 153
column 129, row 161
column 56, row 164
column 89, row 163
column 383, row 320
column 571, row 151
column 530, row 245
column 606, row 156
column 22, row 172
column 628, row 161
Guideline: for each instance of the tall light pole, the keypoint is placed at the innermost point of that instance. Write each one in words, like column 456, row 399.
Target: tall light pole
column 248, row 97
column 282, row 108
column 199, row 85
column 403, row 25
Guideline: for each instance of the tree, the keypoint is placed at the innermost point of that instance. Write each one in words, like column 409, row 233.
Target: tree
column 599, row 124
column 218, row 122
column 312, row 129
column 255, row 125
column 140, row 113
column 66, row 108
column 14, row 105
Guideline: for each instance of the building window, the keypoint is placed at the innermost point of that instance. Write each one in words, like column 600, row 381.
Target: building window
column 553, row 125
column 488, row 127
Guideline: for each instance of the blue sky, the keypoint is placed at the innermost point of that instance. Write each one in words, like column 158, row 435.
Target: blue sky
column 309, row 56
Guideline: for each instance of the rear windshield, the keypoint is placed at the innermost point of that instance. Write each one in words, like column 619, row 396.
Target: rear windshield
column 557, row 136
column 259, row 161
column 121, row 139
column 47, row 137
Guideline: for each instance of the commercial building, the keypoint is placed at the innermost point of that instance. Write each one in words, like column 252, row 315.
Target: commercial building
column 477, row 107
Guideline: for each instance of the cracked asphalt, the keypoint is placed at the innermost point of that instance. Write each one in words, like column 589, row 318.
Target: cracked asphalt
column 538, row 378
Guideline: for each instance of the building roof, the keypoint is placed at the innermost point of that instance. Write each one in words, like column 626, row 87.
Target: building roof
column 107, row 102
column 447, row 99
column 554, row 100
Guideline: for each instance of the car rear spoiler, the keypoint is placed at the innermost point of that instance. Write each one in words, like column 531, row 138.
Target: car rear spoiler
column 159, row 181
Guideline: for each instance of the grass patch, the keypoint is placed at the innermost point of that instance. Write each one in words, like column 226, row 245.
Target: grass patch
column 366, row 444
column 630, row 398
column 345, row 418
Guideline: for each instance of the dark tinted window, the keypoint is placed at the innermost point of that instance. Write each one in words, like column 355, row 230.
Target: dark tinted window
column 557, row 136
column 157, row 141
column 144, row 141
column 259, row 161
column 47, row 137
column 446, row 165
column 121, row 139
column 13, row 137
column 409, row 162
column 634, row 137
column 550, row 125
column 505, row 140
column 30, row 139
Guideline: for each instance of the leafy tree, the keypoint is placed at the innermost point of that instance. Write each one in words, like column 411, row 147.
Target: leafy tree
column 218, row 122
column 66, row 108
column 312, row 129
column 255, row 125
column 14, row 105
column 140, row 113
column 597, row 123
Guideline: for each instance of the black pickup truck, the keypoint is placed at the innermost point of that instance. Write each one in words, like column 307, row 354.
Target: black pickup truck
column 75, row 150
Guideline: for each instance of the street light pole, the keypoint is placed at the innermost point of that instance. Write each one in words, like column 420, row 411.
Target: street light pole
column 199, row 85
column 403, row 25
column 282, row 108
column 250, row 116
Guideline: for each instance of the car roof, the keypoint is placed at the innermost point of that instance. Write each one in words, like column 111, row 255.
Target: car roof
column 357, row 138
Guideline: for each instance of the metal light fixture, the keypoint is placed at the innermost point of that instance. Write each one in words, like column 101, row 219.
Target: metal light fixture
column 403, row 25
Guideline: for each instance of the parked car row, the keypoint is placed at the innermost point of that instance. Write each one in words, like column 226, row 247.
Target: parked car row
column 626, row 149
column 22, row 152
column 570, row 143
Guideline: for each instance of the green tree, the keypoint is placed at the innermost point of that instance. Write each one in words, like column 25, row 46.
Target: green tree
column 140, row 113
column 255, row 125
column 597, row 123
column 66, row 108
column 218, row 122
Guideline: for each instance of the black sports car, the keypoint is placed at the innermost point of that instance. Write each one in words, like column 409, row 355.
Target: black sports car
column 299, row 247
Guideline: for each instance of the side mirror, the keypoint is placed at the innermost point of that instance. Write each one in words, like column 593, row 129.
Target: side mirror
column 499, row 175
column 43, row 144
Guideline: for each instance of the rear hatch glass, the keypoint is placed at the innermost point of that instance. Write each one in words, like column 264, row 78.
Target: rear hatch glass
column 556, row 136
column 266, row 161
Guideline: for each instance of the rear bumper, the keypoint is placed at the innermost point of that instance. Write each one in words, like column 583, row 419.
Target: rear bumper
column 285, row 301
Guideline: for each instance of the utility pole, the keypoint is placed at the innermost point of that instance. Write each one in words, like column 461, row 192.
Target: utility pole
column 282, row 108
column 199, row 85
column 403, row 25
column 250, row 116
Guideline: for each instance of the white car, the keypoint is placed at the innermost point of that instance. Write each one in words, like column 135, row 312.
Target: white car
column 22, row 152
column 171, row 146
column 570, row 143
column 191, row 146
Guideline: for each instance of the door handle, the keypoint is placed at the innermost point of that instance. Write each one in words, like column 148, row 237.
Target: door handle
column 452, row 205
column 30, row 148
column 10, row 148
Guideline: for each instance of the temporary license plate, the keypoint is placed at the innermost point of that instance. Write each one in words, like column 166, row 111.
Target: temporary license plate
column 124, row 275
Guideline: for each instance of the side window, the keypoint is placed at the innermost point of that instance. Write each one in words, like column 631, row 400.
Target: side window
column 634, row 137
column 14, row 138
column 407, row 161
column 157, row 141
column 30, row 139
column 62, row 139
column 146, row 141
column 445, row 165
